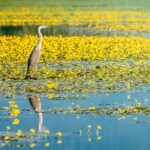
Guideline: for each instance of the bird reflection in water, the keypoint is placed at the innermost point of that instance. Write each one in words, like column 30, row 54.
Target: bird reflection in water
column 36, row 105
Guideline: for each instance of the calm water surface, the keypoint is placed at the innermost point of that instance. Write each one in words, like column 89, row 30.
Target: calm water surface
column 115, row 134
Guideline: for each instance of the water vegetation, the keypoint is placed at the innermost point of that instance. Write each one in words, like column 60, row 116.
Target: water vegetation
column 135, row 108
column 103, row 20
column 75, row 64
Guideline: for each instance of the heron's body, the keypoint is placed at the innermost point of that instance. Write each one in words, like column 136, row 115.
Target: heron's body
column 34, row 56
column 36, row 105
column 33, row 60
column 35, row 102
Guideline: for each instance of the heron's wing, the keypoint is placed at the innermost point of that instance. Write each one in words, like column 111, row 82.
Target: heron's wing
column 34, row 57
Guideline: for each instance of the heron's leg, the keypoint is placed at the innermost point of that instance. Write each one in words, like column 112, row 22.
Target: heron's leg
column 28, row 75
column 30, row 72
column 33, row 73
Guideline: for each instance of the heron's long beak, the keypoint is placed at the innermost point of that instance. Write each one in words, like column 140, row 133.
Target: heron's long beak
column 46, row 26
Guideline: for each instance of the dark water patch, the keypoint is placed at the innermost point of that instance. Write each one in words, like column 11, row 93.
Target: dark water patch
column 66, row 30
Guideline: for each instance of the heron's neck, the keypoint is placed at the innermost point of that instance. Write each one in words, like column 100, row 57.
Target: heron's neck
column 40, row 38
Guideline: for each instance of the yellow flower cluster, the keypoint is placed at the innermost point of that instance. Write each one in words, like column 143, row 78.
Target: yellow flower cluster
column 14, row 109
column 129, row 109
column 16, row 121
column 51, row 85
column 17, row 49
column 14, row 112
column 105, row 20
column 86, row 61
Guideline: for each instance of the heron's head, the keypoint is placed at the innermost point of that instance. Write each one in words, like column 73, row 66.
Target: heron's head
column 42, row 26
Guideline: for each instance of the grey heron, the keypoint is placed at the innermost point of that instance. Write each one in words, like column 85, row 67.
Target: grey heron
column 35, row 56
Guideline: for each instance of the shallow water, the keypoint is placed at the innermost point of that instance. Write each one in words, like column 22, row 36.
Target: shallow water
column 118, row 131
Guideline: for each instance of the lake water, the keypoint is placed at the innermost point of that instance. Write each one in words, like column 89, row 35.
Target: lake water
column 118, row 131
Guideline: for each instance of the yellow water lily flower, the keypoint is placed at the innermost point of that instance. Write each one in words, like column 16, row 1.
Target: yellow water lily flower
column 47, row 144
column 16, row 121
column 47, row 131
column 59, row 141
column 59, row 133
column 32, row 131
column 32, row 145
